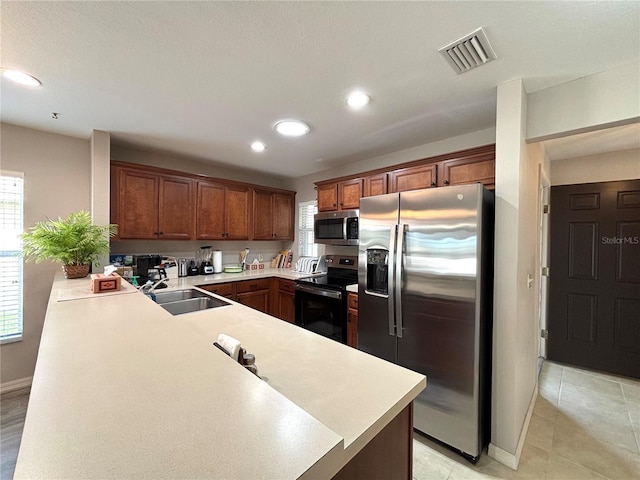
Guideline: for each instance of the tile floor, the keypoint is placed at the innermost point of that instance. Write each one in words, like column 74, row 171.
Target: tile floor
column 585, row 426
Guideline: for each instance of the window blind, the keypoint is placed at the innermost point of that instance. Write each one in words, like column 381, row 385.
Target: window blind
column 306, row 247
column 12, row 223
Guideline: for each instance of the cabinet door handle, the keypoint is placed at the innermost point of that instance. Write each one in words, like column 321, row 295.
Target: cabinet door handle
column 446, row 182
column 433, row 184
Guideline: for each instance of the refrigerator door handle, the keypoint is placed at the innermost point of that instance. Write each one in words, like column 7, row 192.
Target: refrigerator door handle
column 397, row 287
column 376, row 294
column 390, row 271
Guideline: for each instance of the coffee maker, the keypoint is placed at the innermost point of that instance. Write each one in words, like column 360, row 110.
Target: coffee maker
column 143, row 263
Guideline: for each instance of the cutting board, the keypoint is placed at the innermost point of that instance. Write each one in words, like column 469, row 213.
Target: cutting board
column 78, row 289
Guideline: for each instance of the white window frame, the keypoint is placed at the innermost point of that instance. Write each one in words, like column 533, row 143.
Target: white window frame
column 11, row 261
column 306, row 210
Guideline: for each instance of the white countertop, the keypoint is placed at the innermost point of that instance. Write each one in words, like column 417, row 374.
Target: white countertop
column 123, row 389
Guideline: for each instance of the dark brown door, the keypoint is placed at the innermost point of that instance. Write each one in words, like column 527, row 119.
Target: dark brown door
column 594, row 286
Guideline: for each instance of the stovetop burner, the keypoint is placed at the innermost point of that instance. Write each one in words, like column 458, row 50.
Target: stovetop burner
column 342, row 271
column 330, row 281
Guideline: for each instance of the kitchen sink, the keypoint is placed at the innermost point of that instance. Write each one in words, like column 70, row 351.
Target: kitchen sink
column 176, row 295
column 189, row 300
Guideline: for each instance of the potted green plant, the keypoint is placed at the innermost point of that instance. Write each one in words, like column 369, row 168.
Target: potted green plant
column 74, row 241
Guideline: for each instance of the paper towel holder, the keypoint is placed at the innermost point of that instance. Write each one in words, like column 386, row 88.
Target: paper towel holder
column 217, row 261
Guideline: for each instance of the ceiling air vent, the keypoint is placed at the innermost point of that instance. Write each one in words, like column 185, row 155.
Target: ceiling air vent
column 469, row 52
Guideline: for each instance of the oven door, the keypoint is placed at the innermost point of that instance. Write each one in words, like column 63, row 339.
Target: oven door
column 322, row 311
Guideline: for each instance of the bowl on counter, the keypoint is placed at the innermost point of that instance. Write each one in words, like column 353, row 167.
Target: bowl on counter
column 232, row 269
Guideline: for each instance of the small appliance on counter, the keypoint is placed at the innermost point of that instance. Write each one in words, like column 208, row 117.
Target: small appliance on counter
column 183, row 269
column 192, row 269
column 143, row 263
column 206, row 260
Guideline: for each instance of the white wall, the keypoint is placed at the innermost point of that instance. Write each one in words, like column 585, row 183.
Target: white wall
column 515, row 345
column 57, row 182
column 590, row 103
column 195, row 166
column 606, row 167
column 100, row 143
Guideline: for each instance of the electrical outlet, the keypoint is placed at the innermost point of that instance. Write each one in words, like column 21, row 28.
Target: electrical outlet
column 529, row 280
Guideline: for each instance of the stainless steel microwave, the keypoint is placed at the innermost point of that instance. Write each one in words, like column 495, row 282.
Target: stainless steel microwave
column 336, row 228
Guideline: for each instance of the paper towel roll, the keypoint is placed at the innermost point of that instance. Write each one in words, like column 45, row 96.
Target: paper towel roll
column 217, row 261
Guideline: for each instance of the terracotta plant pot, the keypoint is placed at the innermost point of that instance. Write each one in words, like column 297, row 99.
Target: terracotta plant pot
column 75, row 271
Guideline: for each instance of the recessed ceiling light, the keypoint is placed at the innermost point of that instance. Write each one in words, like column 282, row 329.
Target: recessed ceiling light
column 358, row 99
column 292, row 128
column 21, row 78
column 258, row 146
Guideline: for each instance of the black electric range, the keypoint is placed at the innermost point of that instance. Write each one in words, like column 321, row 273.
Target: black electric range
column 321, row 300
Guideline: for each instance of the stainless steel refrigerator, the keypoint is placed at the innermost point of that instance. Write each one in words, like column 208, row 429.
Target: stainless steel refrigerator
column 425, row 282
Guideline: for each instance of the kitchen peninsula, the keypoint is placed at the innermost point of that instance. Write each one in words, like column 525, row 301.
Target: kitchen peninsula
column 124, row 389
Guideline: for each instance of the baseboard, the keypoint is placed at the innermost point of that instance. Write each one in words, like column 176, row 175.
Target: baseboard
column 15, row 384
column 509, row 459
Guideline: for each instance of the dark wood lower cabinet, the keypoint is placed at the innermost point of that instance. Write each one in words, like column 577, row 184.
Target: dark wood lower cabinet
column 258, row 300
column 227, row 290
column 388, row 456
column 255, row 294
column 285, row 303
column 352, row 320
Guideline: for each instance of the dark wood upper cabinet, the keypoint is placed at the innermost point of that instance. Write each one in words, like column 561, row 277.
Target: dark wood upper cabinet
column 376, row 185
column 414, row 178
column 283, row 216
column 155, row 203
column 237, row 207
column 210, row 224
column 328, row 197
column 343, row 195
column 475, row 165
column 152, row 206
column 137, row 204
column 273, row 215
column 262, row 216
column 222, row 211
column 175, row 208
column 349, row 194
column 460, row 171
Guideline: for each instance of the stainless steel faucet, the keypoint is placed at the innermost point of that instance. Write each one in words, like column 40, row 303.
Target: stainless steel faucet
column 147, row 289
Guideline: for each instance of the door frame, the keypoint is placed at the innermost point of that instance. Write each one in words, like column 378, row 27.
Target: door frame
column 544, row 190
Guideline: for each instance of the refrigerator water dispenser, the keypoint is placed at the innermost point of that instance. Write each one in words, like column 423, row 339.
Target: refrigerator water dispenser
column 377, row 271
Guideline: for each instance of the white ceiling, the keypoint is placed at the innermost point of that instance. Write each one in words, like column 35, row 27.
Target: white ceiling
column 205, row 79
